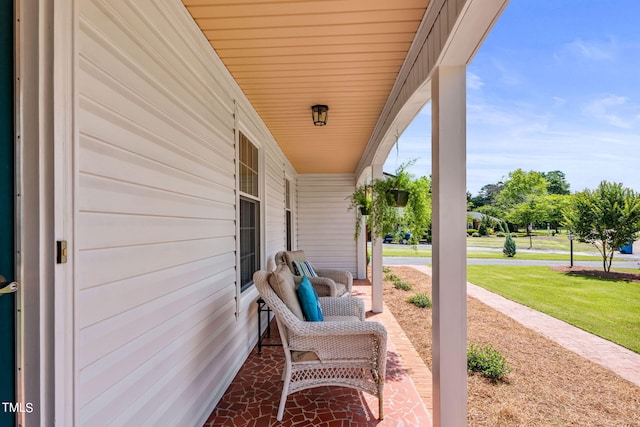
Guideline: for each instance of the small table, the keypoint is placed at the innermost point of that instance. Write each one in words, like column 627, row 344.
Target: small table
column 263, row 307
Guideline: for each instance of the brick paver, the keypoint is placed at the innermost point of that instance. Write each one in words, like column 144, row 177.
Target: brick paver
column 620, row 360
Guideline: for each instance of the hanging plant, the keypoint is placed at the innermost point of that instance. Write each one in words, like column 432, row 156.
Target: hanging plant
column 401, row 203
column 380, row 199
column 361, row 201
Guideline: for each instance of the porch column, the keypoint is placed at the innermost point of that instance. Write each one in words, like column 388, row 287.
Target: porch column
column 376, row 259
column 361, row 250
column 449, row 246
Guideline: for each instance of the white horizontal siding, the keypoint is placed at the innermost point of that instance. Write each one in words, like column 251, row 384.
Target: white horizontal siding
column 325, row 226
column 157, row 339
column 275, row 232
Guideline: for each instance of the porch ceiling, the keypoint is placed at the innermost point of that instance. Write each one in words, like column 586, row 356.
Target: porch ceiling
column 289, row 55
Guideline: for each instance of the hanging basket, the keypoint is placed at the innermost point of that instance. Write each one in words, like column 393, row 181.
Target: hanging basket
column 401, row 197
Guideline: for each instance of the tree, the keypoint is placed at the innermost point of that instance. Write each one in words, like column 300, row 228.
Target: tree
column 551, row 207
column 487, row 195
column 557, row 182
column 509, row 246
column 608, row 217
column 417, row 215
column 520, row 186
column 526, row 213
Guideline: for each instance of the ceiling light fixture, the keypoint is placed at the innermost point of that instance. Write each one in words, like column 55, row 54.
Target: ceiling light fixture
column 319, row 114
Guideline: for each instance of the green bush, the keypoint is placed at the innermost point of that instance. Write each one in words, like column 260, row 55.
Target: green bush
column 400, row 284
column 391, row 277
column 487, row 361
column 386, row 269
column 421, row 300
column 482, row 230
column 470, row 231
column 509, row 246
column 475, row 235
column 500, row 234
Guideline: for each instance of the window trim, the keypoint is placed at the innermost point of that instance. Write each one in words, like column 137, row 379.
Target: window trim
column 243, row 124
column 288, row 214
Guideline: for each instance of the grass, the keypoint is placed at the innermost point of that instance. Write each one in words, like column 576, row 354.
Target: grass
column 410, row 251
column 558, row 243
column 607, row 308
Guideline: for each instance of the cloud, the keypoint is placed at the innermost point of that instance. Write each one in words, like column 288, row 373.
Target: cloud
column 474, row 81
column 590, row 50
column 614, row 110
column 558, row 101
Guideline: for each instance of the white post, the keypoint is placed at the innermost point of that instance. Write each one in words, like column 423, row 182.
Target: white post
column 361, row 248
column 449, row 246
column 376, row 259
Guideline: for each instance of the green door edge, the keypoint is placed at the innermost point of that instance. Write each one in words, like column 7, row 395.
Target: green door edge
column 7, row 213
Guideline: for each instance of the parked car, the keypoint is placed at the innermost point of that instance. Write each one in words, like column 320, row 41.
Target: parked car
column 390, row 237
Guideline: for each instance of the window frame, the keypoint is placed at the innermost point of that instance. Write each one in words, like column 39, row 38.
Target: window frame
column 288, row 214
column 256, row 201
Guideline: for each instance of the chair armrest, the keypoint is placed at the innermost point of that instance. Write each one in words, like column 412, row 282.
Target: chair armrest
column 338, row 276
column 324, row 286
column 338, row 306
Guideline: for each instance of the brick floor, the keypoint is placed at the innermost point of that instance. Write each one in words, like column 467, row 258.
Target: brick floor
column 620, row 360
column 253, row 397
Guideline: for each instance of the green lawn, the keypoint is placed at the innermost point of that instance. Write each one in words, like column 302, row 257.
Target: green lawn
column 558, row 243
column 410, row 251
column 610, row 309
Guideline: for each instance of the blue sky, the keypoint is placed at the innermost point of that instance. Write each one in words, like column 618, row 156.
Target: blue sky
column 555, row 86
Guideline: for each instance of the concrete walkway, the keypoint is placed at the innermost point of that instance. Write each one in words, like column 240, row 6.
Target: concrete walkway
column 620, row 360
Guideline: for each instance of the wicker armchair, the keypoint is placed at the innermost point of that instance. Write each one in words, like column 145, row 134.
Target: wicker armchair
column 343, row 350
column 330, row 283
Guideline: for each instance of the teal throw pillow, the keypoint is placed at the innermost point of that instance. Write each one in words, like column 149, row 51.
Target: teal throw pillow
column 309, row 301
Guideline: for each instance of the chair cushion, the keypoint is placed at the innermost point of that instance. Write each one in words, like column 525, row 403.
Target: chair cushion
column 341, row 290
column 282, row 283
column 309, row 301
column 291, row 256
column 303, row 268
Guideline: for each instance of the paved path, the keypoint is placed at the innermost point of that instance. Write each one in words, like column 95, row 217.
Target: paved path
column 620, row 360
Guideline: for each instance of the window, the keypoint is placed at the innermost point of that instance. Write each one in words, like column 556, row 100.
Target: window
column 287, row 213
column 249, row 212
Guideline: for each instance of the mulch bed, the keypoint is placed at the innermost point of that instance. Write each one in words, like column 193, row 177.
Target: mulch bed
column 549, row 385
column 599, row 273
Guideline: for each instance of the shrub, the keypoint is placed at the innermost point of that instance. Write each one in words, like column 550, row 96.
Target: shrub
column 487, row 361
column 509, row 246
column 475, row 235
column 399, row 284
column 391, row 277
column 500, row 234
column 470, row 231
column 482, row 230
column 386, row 269
column 421, row 300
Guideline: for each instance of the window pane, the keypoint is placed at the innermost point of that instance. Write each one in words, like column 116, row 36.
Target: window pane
column 287, row 193
column 288, row 225
column 248, row 167
column 249, row 241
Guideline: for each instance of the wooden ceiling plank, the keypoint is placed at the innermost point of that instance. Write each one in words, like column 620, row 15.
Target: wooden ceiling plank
column 313, row 59
column 305, row 19
column 375, row 28
column 326, row 40
column 211, row 9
